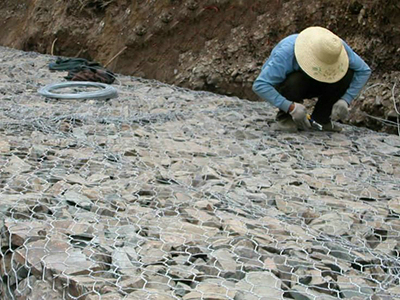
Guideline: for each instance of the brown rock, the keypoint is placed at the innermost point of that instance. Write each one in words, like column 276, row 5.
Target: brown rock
column 76, row 286
column 223, row 260
column 152, row 253
column 159, row 282
column 21, row 232
column 56, row 256
column 133, row 283
column 43, row 290
column 25, row 288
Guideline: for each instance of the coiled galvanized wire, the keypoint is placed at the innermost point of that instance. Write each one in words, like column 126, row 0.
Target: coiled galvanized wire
column 106, row 91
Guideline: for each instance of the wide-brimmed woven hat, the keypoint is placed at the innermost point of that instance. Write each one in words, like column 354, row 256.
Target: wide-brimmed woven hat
column 321, row 54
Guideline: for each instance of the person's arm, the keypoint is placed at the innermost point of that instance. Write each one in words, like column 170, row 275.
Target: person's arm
column 273, row 73
column 361, row 75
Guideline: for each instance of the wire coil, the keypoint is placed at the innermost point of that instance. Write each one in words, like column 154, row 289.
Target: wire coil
column 106, row 92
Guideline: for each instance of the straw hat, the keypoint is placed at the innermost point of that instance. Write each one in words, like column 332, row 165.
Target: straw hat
column 321, row 54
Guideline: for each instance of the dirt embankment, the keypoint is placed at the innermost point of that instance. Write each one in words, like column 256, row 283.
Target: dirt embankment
column 215, row 45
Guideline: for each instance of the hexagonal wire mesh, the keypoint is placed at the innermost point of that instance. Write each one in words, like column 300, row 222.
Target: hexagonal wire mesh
column 166, row 193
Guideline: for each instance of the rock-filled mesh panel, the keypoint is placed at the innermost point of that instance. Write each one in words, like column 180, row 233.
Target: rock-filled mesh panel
column 165, row 193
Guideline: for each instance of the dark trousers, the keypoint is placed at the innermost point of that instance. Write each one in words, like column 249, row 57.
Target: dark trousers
column 299, row 86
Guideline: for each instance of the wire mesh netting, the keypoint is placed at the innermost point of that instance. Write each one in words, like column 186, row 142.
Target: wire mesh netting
column 166, row 193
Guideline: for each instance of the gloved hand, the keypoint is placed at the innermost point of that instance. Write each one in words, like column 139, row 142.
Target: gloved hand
column 340, row 110
column 299, row 116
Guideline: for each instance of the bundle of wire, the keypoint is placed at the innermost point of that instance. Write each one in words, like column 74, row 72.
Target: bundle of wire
column 106, row 91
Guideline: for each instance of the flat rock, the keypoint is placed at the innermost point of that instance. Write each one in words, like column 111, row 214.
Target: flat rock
column 333, row 223
column 41, row 290
column 125, row 261
column 357, row 287
column 150, row 294
column 183, row 272
column 159, row 282
column 21, row 232
column 302, row 293
column 224, row 260
column 261, row 284
column 78, row 199
column 133, row 283
column 75, row 286
column 208, row 290
column 152, row 253
column 55, row 255
column 17, row 165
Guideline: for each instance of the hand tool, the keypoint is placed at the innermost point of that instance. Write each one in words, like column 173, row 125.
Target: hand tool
column 313, row 123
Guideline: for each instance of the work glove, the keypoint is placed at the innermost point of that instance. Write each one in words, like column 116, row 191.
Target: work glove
column 340, row 110
column 299, row 116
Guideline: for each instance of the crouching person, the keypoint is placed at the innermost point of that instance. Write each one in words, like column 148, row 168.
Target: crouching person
column 313, row 63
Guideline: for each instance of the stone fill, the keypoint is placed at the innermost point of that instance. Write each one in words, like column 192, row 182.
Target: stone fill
column 166, row 193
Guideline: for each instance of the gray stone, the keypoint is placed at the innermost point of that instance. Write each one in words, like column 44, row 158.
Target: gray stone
column 159, row 282
column 333, row 223
column 299, row 292
column 243, row 295
column 201, row 217
column 357, row 287
column 209, row 290
column 125, row 261
column 56, row 256
column 387, row 246
column 21, row 232
column 76, row 198
column 183, row 273
column 107, row 296
column 182, row 289
column 394, row 290
column 133, row 283
column 261, row 284
column 17, row 165
column 38, row 152
column 152, row 253
column 25, row 287
column 43, row 290
column 4, row 146
column 235, row 227
column 151, row 294
column 76, row 286
column 223, row 260
column 394, row 205
column 128, row 233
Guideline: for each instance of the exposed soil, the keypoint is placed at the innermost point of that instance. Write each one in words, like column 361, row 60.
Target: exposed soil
column 215, row 45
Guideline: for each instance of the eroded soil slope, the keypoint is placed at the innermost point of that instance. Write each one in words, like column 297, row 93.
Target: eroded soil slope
column 213, row 45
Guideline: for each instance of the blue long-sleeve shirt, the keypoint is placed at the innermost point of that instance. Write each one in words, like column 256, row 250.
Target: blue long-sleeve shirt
column 282, row 62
